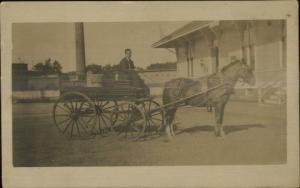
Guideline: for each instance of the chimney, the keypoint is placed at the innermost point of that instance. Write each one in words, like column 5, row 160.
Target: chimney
column 80, row 50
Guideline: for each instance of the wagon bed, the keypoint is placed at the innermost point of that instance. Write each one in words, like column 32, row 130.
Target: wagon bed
column 115, row 85
column 120, row 103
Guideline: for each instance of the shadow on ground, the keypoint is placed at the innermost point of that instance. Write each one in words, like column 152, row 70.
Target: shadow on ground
column 227, row 128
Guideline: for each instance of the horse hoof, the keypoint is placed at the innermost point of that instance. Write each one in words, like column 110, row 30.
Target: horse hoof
column 168, row 139
column 217, row 132
column 222, row 133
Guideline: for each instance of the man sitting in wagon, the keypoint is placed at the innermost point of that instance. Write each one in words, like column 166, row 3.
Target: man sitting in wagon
column 127, row 69
column 126, row 63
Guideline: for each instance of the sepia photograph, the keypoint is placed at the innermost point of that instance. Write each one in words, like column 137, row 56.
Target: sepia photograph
column 205, row 92
column 149, row 93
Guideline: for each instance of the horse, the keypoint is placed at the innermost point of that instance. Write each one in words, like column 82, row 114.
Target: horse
column 222, row 82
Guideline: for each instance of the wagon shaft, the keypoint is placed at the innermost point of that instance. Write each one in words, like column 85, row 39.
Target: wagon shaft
column 183, row 101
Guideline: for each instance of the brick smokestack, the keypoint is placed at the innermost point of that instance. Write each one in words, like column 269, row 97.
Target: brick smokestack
column 80, row 50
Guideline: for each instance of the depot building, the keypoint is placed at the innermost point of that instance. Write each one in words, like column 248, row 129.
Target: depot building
column 204, row 47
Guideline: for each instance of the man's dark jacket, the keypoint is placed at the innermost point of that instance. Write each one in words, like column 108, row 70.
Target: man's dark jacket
column 126, row 64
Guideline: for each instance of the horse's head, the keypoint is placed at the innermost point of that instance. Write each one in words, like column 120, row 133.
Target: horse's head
column 246, row 74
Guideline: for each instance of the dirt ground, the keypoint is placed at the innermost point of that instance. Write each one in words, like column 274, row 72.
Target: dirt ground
column 256, row 134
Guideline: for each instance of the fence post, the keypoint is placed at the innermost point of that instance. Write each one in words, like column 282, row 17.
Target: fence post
column 259, row 95
column 246, row 92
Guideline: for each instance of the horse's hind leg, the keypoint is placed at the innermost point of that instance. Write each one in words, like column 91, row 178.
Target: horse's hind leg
column 219, row 112
column 169, row 129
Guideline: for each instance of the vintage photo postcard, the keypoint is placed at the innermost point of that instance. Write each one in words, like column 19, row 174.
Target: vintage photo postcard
column 150, row 94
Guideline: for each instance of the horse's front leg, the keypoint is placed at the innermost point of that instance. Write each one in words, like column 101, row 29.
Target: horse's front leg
column 219, row 112
column 169, row 117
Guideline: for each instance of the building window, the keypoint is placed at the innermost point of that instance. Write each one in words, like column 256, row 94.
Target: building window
column 244, row 54
column 283, row 45
column 252, row 56
column 215, row 59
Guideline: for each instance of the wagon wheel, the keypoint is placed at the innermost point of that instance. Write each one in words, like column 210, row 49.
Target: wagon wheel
column 131, row 121
column 104, row 119
column 154, row 116
column 73, row 114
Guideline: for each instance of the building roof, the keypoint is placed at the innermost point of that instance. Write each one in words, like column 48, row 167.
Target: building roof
column 168, row 41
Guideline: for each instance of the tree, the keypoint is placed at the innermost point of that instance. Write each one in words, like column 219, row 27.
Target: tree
column 94, row 68
column 57, row 67
column 107, row 67
column 140, row 68
column 39, row 67
column 115, row 67
column 162, row 66
column 48, row 67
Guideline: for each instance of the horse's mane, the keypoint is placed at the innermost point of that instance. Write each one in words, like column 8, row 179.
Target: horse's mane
column 229, row 65
column 216, row 74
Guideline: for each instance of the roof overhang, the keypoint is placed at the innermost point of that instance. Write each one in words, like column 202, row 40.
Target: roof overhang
column 171, row 40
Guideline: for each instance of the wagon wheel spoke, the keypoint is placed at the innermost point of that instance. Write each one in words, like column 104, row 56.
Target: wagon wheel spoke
column 108, row 109
column 157, row 113
column 72, row 128
column 62, row 125
column 83, row 127
column 136, row 126
column 130, row 122
column 106, row 122
column 75, row 104
column 105, row 127
column 72, row 115
column 156, row 119
column 65, row 120
column 154, row 116
column 66, row 128
column 77, row 128
column 149, row 106
column 90, row 119
column 67, row 106
column 104, row 103
column 72, row 106
column 122, row 113
column 97, row 119
column 66, row 110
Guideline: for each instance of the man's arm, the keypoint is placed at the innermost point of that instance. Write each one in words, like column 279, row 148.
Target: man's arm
column 132, row 64
column 122, row 65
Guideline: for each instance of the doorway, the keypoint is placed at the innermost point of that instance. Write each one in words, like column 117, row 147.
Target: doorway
column 215, row 59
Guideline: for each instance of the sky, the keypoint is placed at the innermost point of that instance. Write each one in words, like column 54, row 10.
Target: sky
column 104, row 42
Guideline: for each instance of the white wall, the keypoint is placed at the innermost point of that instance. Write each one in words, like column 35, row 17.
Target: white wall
column 230, row 44
column 181, row 62
column 268, row 45
column 268, row 49
column 202, row 59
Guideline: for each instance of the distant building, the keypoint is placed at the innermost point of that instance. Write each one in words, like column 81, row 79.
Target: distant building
column 19, row 76
column 19, row 69
column 23, row 79
column 43, row 83
column 204, row 47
